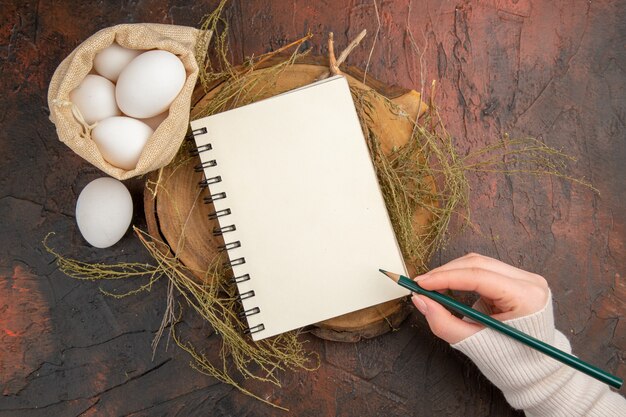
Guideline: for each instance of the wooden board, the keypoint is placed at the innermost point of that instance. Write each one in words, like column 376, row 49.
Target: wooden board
column 178, row 204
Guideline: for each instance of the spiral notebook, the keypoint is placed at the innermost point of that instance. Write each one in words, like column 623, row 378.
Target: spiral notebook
column 299, row 207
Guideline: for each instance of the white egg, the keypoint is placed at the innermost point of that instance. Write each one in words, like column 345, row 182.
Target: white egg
column 112, row 60
column 155, row 121
column 95, row 98
column 149, row 84
column 103, row 212
column 121, row 139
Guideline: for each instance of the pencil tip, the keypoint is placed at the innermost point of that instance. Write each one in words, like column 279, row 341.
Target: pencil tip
column 391, row 275
column 387, row 274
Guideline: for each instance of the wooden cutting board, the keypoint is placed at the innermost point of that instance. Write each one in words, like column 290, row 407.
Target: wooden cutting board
column 177, row 205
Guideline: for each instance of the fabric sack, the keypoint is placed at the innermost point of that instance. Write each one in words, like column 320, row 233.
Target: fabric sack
column 189, row 44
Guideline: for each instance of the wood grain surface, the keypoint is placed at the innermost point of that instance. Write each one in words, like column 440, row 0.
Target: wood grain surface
column 550, row 69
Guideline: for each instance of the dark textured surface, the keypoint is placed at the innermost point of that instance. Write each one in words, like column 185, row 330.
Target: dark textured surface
column 550, row 69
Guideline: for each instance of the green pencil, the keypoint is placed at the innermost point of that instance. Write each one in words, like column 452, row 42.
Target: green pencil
column 522, row 337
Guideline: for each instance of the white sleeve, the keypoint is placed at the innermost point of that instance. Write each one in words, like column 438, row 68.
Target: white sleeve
column 534, row 382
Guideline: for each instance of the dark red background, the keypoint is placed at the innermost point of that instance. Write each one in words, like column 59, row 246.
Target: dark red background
column 554, row 70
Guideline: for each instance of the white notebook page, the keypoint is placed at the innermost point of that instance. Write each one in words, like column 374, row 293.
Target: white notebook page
column 305, row 200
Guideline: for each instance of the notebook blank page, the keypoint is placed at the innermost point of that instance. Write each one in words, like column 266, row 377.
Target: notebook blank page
column 306, row 204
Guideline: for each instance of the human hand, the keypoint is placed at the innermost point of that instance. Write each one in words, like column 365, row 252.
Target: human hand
column 506, row 291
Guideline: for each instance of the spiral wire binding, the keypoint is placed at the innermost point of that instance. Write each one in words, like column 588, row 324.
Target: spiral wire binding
column 235, row 262
column 203, row 148
column 220, row 231
column 207, row 164
column 240, row 278
column 213, row 197
column 247, row 294
column 229, row 246
column 208, row 181
column 219, row 213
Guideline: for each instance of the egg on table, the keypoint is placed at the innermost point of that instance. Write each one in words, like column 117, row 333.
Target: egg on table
column 95, row 98
column 104, row 211
column 121, row 139
column 113, row 59
column 149, row 84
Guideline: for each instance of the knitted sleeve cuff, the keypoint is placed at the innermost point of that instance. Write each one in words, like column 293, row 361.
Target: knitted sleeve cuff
column 531, row 380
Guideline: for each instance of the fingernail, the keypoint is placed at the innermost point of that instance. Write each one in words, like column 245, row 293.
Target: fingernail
column 422, row 277
column 420, row 304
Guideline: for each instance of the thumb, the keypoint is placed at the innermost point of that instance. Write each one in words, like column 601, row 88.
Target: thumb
column 442, row 323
